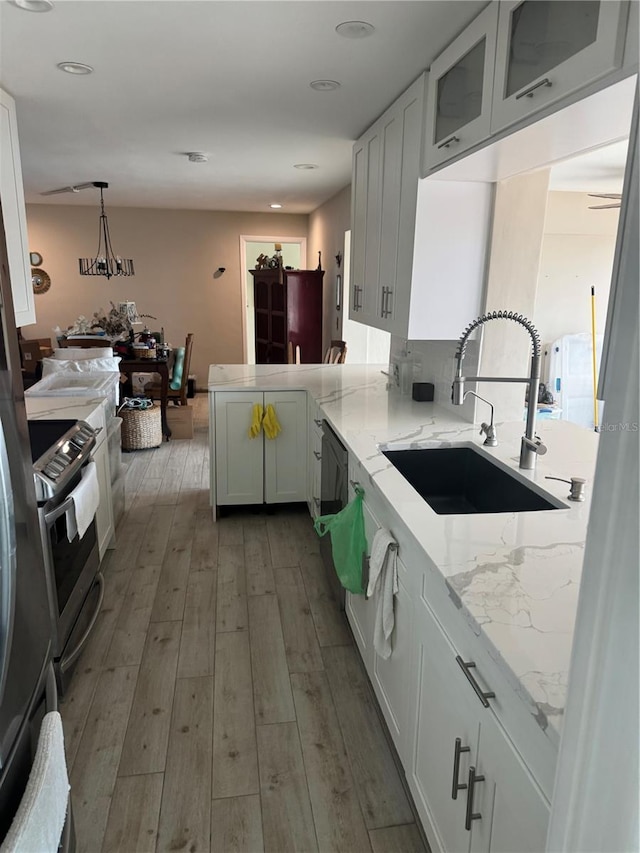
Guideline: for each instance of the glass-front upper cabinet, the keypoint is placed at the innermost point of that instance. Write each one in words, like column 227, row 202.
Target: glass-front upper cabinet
column 547, row 49
column 459, row 91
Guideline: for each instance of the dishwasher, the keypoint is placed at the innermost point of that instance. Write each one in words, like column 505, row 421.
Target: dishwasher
column 334, row 496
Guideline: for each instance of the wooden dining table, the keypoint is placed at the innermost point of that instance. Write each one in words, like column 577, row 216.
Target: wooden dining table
column 129, row 366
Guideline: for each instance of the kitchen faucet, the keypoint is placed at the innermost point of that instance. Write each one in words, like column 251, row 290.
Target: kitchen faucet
column 531, row 446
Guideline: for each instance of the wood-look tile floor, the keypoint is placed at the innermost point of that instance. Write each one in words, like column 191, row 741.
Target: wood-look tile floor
column 220, row 704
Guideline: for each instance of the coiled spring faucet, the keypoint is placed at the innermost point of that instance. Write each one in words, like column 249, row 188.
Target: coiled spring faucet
column 531, row 446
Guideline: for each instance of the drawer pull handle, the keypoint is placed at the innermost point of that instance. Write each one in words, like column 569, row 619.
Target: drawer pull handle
column 465, row 666
column 317, row 455
column 448, row 142
column 357, row 488
column 458, row 748
column 528, row 93
column 471, row 815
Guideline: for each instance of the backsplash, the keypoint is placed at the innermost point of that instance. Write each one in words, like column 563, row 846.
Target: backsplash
column 434, row 361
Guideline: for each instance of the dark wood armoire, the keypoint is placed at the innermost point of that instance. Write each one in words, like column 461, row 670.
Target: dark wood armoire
column 288, row 309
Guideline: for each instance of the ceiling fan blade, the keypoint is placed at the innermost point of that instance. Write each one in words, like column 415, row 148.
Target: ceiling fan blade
column 603, row 206
column 72, row 188
column 605, row 195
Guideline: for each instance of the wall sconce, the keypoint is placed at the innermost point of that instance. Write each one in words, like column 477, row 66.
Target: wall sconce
column 219, row 272
column 339, row 259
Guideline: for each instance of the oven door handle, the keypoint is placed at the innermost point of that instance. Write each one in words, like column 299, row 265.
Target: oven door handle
column 54, row 515
column 70, row 658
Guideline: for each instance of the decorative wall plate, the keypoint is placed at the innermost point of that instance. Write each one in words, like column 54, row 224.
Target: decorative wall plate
column 40, row 280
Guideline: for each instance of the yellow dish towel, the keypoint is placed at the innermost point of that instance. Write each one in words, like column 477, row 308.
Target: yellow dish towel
column 256, row 420
column 270, row 422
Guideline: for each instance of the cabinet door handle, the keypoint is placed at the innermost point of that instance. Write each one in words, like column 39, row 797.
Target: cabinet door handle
column 383, row 300
column 387, row 310
column 317, row 455
column 528, row 93
column 456, row 786
column 356, row 301
column 471, row 815
column 465, row 666
column 448, row 142
column 317, row 422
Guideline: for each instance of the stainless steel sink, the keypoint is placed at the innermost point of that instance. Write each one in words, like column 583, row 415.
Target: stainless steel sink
column 462, row 480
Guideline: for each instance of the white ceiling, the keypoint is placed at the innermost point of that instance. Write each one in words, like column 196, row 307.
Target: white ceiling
column 601, row 171
column 229, row 78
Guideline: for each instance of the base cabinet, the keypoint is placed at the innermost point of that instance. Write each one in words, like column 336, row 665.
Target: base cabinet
column 471, row 788
column 390, row 677
column 104, row 513
column 260, row 470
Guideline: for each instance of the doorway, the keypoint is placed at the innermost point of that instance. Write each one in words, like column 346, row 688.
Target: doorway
column 294, row 254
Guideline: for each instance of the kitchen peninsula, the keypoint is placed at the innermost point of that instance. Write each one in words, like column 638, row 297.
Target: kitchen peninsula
column 503, row 587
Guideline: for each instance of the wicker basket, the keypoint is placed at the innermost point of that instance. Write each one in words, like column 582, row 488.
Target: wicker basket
column 141, row 428
column 149, row 352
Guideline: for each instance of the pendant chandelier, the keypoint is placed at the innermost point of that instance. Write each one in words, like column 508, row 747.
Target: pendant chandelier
column 106, row 262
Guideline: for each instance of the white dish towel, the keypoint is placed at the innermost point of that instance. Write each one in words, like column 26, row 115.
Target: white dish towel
column 383, row 575
column 39, row 821
column 86, row 497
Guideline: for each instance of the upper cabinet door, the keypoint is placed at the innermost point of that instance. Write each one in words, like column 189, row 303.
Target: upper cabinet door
column 13, row 212
column 548, row 49
column 459, row 93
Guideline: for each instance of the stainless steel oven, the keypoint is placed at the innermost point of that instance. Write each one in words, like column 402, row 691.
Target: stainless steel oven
column 72, row 562
column 334, row 495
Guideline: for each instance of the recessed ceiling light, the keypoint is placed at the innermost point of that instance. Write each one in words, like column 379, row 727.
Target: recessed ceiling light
column 75, row 67
column 305, row 166
column 275, row 206
column 355, row 29
column 324, row 85
column 34, row 5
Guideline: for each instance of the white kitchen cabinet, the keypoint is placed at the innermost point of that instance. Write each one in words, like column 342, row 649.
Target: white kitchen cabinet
column 514, row 812
column 386, row 166
column 391, row 677
column 458, row 114
column 257, row 470
column 454, row 732
column 547, row 49
column 104, row 513
column 365, row 217
column 360, row 610
column 13, row 213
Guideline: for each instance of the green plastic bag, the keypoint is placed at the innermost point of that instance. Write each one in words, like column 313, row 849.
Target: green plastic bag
column 348, row 542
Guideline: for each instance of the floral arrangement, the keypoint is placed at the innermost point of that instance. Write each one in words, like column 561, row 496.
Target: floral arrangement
column 114, row 324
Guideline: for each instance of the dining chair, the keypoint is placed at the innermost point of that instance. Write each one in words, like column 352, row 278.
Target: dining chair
column 177, row 394
column 336, row 353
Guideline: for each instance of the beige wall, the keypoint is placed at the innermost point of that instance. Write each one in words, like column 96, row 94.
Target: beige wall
column 516, row 241
column 327, row 225
column 175, row 252
column 577, row 252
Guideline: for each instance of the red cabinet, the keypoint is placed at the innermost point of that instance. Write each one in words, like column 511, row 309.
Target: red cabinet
column 288, row 308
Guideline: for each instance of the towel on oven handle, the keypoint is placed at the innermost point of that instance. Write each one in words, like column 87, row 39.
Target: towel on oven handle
column 86, row 497
column 40, row 818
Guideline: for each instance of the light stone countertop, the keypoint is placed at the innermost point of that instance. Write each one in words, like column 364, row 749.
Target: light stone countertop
column 515, row 576
column 93, row 410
